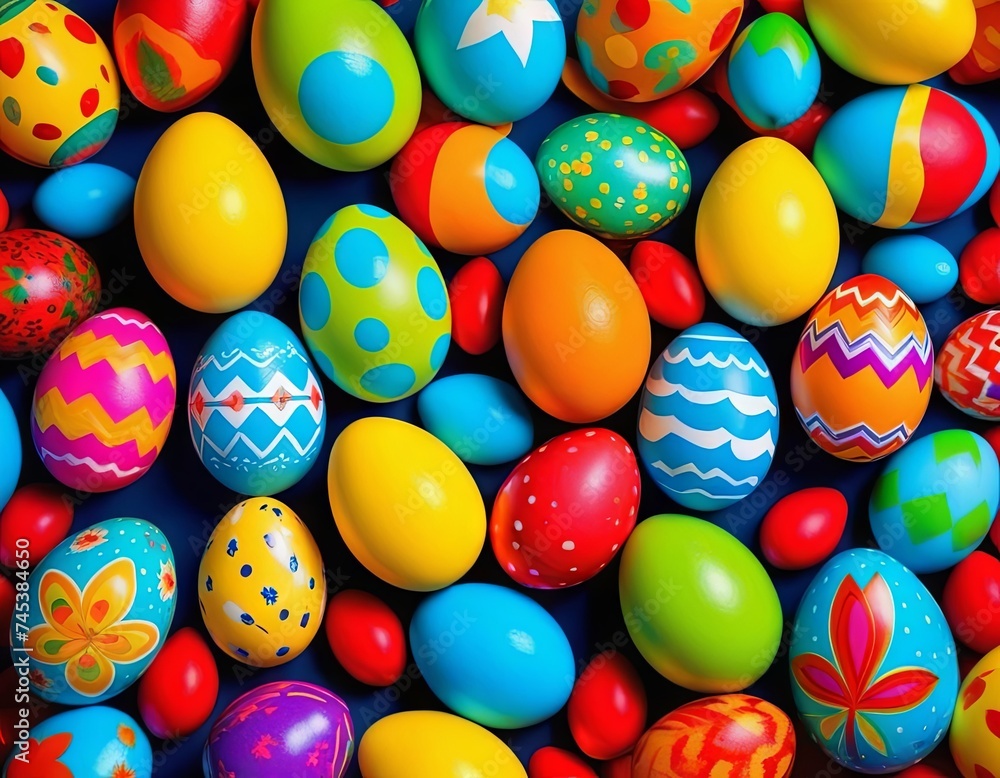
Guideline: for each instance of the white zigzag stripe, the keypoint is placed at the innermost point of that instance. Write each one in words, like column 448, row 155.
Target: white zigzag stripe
column 237, row 418
column 109, row 467
column 713, row 473
column 855, row 292
column 284, row 434
column 890, row 354
column 654, row 428
column 714, row 361
column 142, row 325
column 747, row 404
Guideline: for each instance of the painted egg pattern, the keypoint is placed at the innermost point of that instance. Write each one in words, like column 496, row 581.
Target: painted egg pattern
column 255, row 406
column 967, row 370
column 861, row 372
column 975, row 730
column 708, row 419
column 48, row 284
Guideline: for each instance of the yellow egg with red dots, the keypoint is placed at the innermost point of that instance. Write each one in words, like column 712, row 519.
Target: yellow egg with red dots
column 975, row 728
column 58, row 85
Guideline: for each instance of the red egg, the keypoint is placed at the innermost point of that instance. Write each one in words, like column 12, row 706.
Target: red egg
column 607, row 709
column 995, row 201
column 6, row 607
column 41, row 514
column 566, row 509
column 803, row 528
column 669, row 284
column 794, row 8
column 551, row 762
column 979, row 267
column 4, row 212
column 921, row 771
column 366, row 637
column 178, row 692
column 617, row 768
column 971, row 601
column 476, row 294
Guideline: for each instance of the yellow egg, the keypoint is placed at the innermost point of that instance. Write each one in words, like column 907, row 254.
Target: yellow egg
column 767, row 236
column 405, row 505
column 429, row 744
column 261, row 584
column 975, row 729
column 209, row 216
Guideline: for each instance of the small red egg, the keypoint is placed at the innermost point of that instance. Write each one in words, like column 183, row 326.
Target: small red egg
column 366, row 637
column 4, row 212
column 669, row 284
column 971, row 601
column 979, row 267
column 476, row 294
column 41, row 514
column 552, row 762
column 995, row 201
column 794, row 8
column 177, row 694
column 607, row 708
column 803, row 528
column 617, row 768
column 921, row 771
column 7, row 598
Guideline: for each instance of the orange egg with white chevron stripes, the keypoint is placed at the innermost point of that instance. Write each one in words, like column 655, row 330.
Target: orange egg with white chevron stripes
column 104, row 402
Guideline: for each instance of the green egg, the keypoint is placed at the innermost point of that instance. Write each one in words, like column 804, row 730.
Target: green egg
column 613, row 175
column 373, row 305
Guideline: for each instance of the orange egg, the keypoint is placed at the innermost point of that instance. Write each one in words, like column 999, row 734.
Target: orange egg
column 575, row 328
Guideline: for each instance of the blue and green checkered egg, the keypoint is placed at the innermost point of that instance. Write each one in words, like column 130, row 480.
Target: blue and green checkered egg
column 373, row 305
column 934, row 502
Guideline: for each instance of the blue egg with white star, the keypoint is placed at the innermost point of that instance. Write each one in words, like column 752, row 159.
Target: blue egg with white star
column 373, row 305
column 708, row 420
column 492, row 61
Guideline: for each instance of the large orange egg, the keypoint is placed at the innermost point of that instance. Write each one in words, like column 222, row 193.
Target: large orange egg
column 575, row 328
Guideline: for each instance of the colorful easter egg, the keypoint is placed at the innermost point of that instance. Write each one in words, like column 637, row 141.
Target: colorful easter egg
column 492, row 626
column 645, row 50
column 767, row 236
column 979, row 267
column 774, row 71
column 102, row 604
column 261, row 584
column 172, row 55
column 255, row 406
column 982, row 62
column 923, row 268
column 860, row 153
column 366, row 637
column 48, row 285
column 84, row 200
column 607, row 708
column 967, row 370
column 803, row 528
column 389, row 331
column 698, row 605
column 861, row 374
column 311, row 58
column 487, row 63
column 10, row 437
column 573, row 313
column 178, row 692
column 58, row 85
column 300, row 728
column 554, row 522
column 975, row 730
column 935, row 500
column 749, row 735
column 104, row 402
column 552, row 762
column 405, row 505
column 464, row 187
column 476, row 293
column 971, row 602
column 209, row 215
column 34, row 521
column 669, row 284
column 708, row 419
column 873, row 664
column 613, row 175
column 889, row 43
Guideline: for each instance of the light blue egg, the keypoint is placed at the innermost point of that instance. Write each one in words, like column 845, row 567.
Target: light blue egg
column 101, row 606
column 921, row 267
column 10, row 440
column 459, row 631
column 873, row 663
column 94, row 742
column 84, row 200
column 936, row 499
column 708, row 420
column 255, row 406
column 484, row 420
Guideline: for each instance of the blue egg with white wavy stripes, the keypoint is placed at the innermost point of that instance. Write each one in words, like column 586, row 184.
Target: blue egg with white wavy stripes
column 457, row 632
column 256, row 408
column 484, row 420
column 921, row 267
column 708, row 420
column 84, row 200
column 10, row 440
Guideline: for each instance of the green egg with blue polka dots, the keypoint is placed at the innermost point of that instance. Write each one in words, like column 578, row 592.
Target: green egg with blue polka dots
column 373, row 305
column 615, row 176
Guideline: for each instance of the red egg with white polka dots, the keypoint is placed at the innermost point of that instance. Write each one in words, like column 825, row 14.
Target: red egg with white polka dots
column 567, row 508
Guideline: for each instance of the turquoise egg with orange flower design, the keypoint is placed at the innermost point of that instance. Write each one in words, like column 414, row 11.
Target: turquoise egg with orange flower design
column 100, row 606
column 873, row 663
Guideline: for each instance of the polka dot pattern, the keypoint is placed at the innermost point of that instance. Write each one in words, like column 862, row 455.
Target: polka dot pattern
column 371, row 335
column 389, row 381
column 341, row 78
column 431, row 293
column 11, row 57
column 79, row 29
column 47, row 75
column 362, row 258
column 314, row 301
column 440, row 351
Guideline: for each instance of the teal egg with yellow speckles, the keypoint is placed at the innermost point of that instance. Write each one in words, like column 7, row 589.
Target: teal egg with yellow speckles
column 613, row 175
column 373, row 305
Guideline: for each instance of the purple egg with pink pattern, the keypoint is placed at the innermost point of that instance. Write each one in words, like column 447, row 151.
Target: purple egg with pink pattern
column 294, row 728
column 104, row 402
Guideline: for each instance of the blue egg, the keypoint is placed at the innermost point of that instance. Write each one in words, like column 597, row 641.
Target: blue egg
column 10, row 440
column 708, row 420
column 255, row 407
column 84, row 200
column 101, row 606
column 457, row 632
column 484, row 420
column 873, row 663
column 921, row 267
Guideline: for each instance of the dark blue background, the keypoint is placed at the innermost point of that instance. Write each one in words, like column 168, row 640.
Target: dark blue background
column 180, row 497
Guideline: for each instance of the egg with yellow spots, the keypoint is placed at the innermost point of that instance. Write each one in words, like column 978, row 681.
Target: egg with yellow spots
column 614, row 176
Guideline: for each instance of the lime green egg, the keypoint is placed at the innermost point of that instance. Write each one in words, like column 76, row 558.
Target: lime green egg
column 373, row 305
